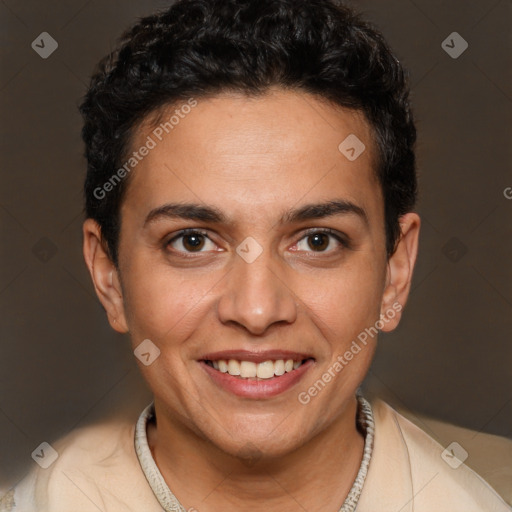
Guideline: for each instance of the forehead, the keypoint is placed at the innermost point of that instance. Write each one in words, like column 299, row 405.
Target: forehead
column 253, row 155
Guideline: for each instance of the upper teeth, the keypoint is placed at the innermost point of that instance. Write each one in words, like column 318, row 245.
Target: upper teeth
column 247, row 369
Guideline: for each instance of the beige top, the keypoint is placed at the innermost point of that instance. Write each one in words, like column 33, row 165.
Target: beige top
column 98, row 470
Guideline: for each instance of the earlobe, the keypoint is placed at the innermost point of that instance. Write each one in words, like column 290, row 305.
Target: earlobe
column 399, row 272
column 104, row 276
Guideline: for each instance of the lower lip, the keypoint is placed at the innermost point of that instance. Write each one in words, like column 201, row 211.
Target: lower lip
column 257, row 388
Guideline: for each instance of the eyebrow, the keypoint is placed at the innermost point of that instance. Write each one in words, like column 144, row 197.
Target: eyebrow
column 212, row 214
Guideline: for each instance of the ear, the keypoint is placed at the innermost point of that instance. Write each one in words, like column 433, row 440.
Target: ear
column 104, row 276
column 399, row 272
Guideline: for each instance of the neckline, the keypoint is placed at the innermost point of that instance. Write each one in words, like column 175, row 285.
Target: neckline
column 169, row 502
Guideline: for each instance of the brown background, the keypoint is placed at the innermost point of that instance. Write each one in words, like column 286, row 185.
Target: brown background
column 61, row 365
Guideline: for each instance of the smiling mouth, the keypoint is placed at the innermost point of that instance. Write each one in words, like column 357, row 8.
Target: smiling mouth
column 251, row 370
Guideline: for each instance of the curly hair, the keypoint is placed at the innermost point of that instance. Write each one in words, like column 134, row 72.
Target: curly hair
column 199, row 48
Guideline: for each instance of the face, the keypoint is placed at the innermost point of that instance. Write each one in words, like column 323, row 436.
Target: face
column 283, row 259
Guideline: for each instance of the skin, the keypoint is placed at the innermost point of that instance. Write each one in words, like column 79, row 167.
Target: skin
column 254, row 159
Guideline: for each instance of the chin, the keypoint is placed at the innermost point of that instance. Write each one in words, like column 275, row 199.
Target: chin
column 250, row 451
column 249, row 444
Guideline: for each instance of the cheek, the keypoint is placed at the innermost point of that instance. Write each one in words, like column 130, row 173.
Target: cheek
column 163, row 304
column 344, row 302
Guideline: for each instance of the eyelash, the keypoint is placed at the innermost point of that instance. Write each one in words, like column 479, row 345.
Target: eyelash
column 313, row 231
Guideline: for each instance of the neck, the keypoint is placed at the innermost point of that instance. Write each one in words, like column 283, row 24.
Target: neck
column 315, row 477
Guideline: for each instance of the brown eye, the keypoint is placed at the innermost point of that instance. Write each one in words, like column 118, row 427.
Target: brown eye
column 190, row 242
column 318, row 241
column 325, row 240
column 193, row 242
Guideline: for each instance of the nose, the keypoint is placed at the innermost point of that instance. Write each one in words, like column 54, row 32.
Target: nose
column 257, row 295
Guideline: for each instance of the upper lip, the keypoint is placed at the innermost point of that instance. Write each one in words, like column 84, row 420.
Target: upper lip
column 256, row 356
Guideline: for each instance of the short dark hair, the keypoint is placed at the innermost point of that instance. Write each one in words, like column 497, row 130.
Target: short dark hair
column 199, row 48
